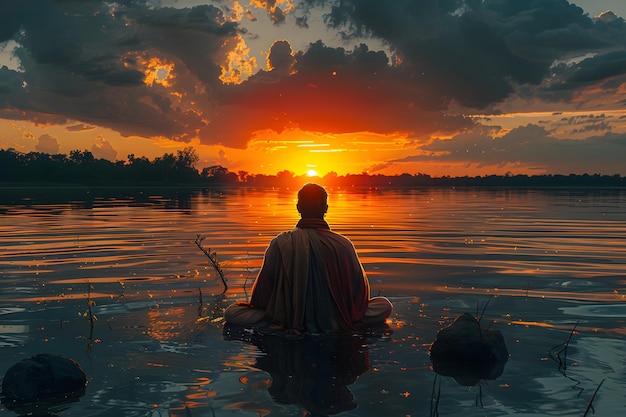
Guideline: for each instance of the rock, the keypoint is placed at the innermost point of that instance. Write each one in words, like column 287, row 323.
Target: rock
column 468, row 353
column 43, row 379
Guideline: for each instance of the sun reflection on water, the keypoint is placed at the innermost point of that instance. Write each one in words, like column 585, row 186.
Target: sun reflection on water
column 547, row 258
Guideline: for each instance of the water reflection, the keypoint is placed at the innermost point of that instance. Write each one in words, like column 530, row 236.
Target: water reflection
column 90, row 197
column 553, row 257
column 313, row 372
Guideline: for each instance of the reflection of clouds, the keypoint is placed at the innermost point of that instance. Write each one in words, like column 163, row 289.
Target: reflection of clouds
column 597, row 310
column 12, row 335
column 596, row 360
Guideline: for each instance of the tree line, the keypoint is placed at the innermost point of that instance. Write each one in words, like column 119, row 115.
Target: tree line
column 82, row 168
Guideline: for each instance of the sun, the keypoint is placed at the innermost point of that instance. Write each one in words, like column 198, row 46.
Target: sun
column 312, row 173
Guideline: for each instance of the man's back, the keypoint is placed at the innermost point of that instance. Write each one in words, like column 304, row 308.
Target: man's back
column 311, row 280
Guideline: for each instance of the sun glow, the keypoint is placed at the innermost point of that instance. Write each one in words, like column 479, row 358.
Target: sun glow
column 158, row 71
column 312, row 173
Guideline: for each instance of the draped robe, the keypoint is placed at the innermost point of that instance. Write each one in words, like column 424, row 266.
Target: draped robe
column 312, row 280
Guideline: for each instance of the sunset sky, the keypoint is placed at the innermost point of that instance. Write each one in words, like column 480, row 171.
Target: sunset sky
column 448, row 87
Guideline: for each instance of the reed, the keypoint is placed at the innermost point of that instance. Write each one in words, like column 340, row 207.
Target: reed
column 91, row 316
column 564, row 346
column 212, row 258
column 200, row 303
column 590, row 405
column 435, row 396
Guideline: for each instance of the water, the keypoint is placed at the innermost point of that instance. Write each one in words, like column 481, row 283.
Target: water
column 547, row 265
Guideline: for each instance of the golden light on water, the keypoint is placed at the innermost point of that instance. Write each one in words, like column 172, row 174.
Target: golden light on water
column 165, row 324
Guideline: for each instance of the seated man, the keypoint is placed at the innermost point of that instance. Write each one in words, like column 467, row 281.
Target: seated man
column 311, row 280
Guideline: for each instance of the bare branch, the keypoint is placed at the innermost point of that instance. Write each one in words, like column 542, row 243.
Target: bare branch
column 212, row 258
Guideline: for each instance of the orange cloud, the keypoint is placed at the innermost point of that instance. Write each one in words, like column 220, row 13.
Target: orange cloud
column 239, row 65
column 159, row 71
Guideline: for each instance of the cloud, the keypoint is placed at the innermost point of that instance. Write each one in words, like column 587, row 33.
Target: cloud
column 80, row 127
column 87, row 61
column 103, row 149
column 280, row 58
column 335, row 91
column 150, row 71
column 529, row 146
column 47, row 144
column 478, row 53
column 274, row 9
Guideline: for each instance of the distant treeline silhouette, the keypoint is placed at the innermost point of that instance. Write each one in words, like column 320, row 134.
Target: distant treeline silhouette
column 82, row 168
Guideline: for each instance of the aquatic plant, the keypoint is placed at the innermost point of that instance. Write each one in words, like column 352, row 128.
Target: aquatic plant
column 562, row 361
column 212, row 258
column 590, row 405
column 92, row 317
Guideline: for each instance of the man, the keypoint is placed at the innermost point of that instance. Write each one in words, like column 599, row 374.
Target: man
column 311, row 280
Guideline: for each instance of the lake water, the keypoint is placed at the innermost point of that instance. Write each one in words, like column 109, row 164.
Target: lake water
column 546, row 266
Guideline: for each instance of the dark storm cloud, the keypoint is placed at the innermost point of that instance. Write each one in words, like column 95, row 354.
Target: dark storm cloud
column 83, row 61
column 588, row 123
column 281, row 57
column 477, row 52
column 333, row 90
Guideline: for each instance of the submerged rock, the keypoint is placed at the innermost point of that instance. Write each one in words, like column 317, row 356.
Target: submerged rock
column 43, row 379
column 468, row 353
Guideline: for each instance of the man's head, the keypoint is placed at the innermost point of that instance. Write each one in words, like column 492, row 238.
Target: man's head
column 312, row 201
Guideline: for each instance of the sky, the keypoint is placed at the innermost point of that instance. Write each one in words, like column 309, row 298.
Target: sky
column 447, row 87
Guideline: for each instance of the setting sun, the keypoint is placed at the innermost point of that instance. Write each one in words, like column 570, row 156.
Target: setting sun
column 312, row 173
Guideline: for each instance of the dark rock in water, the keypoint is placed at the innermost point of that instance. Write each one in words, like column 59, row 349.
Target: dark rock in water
column 468, row 353
column 43, row 379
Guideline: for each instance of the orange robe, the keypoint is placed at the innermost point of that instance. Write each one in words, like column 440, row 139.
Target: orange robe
column 312, row 280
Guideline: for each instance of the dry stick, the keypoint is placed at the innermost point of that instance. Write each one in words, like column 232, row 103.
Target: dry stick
column 89, row 302
column 563, row 363
column 480, row 396
column 434, row 411
column 213, row 258
column 199, row 302
column 590, row 405
column 482, row 313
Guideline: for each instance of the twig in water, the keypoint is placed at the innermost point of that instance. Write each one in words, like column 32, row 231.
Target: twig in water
column 212, row 258
column 90, row 302
column 590, row 405
column 434, row 397
column 482, row 313
column 479, row 318
column 479, row 396
column 199, row 302
column 562, row 362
